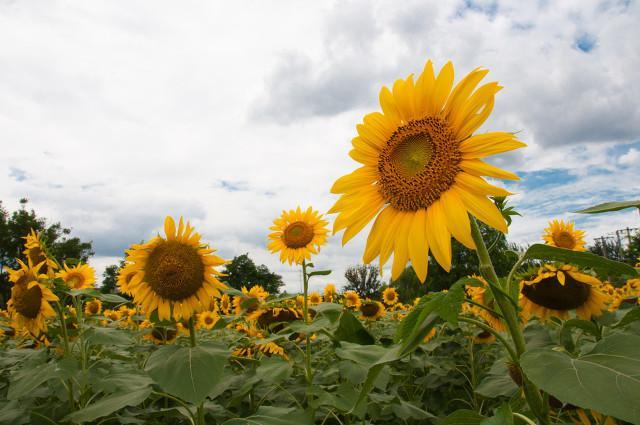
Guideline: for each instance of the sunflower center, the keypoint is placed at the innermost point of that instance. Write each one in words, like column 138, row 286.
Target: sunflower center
column 174, row 271
column 550, row 293
column 94, row 308
column 419, row 162
column 369, row 310
column 208, row 320
column 298, row 234
column 27, row 302
column 564, row 240
column 75, row 280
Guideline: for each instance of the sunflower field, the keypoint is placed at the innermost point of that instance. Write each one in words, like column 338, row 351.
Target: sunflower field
column 555, row 341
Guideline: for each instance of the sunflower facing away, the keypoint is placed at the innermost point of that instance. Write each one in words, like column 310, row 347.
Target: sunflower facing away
column 176, row 275
column 29, row 304
column 36, row 253
column 563, row 235
column 556, row 290
column 297, row 234
column 422, row 170
column 78, row 277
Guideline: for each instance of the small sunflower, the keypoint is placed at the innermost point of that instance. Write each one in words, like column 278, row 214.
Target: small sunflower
column 207, row 319
column 422, row 170
column 390, row 296
column 225, row 304
column 36, row 253
column 330, row 292
column 299, row 301
column 556, row 290
column 176, row 275
column 352, row 299
column 251, row 300
column 297, row 235
column 161, row 335
column 112, row 315
column 78, row 277
column 428, row 337
column 484, row 337
column 315, row 297
column 93, row 307
column 481, row 296
column 371, row 310
column 278, row 316
column 563, row 235
column 29, row 304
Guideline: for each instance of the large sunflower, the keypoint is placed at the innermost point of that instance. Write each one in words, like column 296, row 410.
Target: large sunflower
column 29, row 304
column 298, row 234
column 176, row 275
column 422, row 170
column 36, row 253
column 563, row 235
column 556, row 290
column 78, row 277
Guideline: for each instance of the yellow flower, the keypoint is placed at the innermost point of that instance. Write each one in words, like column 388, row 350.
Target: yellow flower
column 329, row 292
column 93, row 307
column 372, row 310
column 112, row 315
column 161, row 335
column 422, row 171
column 36, row 253
column 78, row 277
column 315, row 297
column 352, row 299
column 278, row 316
column 297, row 234
column 300, row 301
column 554, row 291
column 252, row 299
column 428, row 337
column 174, row 276
column 481, row 296
column 484, row 337
column 390, row 296
column 563, row 235
column 207, row 319
column 225, row 304
column 29, row 304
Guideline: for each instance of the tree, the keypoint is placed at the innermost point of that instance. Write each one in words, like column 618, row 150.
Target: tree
column 15, row 226
column 364, row 279
column 110, row 278
column 242, row 271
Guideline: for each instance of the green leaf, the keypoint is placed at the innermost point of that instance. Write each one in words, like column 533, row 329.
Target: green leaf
column 108, row 336
column 566, row 331
column 602, row 265
column 189, row 373
column 609, row 206
column 271, row 415
column 91, row 292
column 350, row 329
column 319, row 273
column 497, row 382
column 329, row 310
column 632, row 316
column 113, row 298
column 274, row 370
column 448, row 304
column 14, row 413
column 502, row 416
column 606, row 379
column 27, row 379
column 463, row 417
column 109, row 404
column 405, row 410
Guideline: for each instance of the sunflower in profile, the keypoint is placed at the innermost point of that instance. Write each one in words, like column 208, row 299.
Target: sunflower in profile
column 297, row 235
column 93, row 307
column 330, row 292
column 225, row 304
column 556, row 290
column 29, row 304
column 127, row 274
column 371, row 310
column 481, row 296
column 563, row 235
column 174, row 275
column 207, row 319
column 78, row 277
column 422, row 171
column 315, row 297
column 36, row 253
column 352, row 299
column 390, row 296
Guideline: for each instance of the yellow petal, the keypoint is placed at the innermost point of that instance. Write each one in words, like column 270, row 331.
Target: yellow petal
column 442, row 88
column 424, row 90
column 417, row 244
column 170, row 228
column 477, row 167
column 483, row 209
column 376, row 235
column 462, row 91
column 438, row 235
column 487, row 144
column 561, row 277
column 479, row 186
column 400, row 249
column 457, row 218
column 388, row 106
column 361, row 177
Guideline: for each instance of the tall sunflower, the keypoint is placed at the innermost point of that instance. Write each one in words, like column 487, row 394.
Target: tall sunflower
column 297, row 235
column 78, row 277
column 422, row 170
column 563, row 235
column 174, row 275
column 29, row 304
column 36, row 253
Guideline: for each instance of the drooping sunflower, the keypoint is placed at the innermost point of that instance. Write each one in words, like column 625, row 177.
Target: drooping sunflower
column 372, row 310
column 422, row 170
column 352, row 299
column 330, row 292
column 315, row 297
column 274, row 318
column 36, row 253
column 297, row 235
column 175, row 276
column 556, row 290
column 93, row 307
column 78, row 277
column 207, row 319
column 390, row 296
column 29, row 304
column 563, row 235
column 482, row 296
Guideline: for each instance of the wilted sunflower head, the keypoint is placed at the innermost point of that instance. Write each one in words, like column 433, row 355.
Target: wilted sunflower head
column 93, row 307
column 555, row 290
column 371, row 310
column 390, row 296
column 174, row 276
column 563, row 235
column 162, row 335
column 297, row 235
column 352, row 299
column 422, row 171
column 36, row 253
column 78, row 277
column 315, row 297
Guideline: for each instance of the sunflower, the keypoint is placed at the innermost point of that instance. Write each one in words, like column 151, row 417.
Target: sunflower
column 330, row 292
column 481, row 296
column 563, row 235
column 93, row 307
column 251, row 300
column 352, row 299
column 225, row 304
column 126, row 275
column 278, row 316
column 390, row 296
column 315, row 297
column 29, row 304
column 112, row 315
column 207, row 319
column 422, row 171
column 174, row 276
column 483, row 337
column 161, row 335
column 371, row 310
column 297, row 235
column 36, row 253
column 299, row 301
column 78, row 277
column 556, row 290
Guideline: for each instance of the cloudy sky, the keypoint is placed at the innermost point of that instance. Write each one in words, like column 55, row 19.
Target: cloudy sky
column 116, row 114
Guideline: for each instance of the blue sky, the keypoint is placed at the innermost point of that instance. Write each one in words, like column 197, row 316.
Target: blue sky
column 112, row 117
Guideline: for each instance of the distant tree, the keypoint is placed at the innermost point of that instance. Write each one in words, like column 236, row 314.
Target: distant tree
column 242, row 271
column 364, row 279
column 16, row 225
column 110, row 278
column 609, row 248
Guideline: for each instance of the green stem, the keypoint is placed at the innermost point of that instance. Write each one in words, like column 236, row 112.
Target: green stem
column 509, row 313
column 307, row 357
column 194, row 343
column 67, row 351
column 495, row 333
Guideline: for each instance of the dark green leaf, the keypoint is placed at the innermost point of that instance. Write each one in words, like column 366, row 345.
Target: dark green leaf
column 463, row 417
column 107, row 405
column 319, row 273
column 25, row 380
column 609, row 206
column 108, row 336
column 632, row 316
column 274, row 370
column 91, row 292
column 113, row 298
column 270, row 415
column 350, row 329
column 502, row 416
column 329, row 310
column 497, row 382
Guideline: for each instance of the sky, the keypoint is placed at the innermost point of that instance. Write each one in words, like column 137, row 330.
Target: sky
column 114, row 115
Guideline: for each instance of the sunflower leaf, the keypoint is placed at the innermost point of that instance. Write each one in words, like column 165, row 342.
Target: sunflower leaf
column 350, row 329
column 609, row 207
column 319, row 273
column 109, row 404
column 113, row 298
column 463, row 417
column 271, row 415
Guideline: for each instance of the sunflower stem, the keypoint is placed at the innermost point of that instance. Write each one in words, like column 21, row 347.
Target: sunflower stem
column 307, row 357
column 509, row 313
column 67, row 352
column 194, row 343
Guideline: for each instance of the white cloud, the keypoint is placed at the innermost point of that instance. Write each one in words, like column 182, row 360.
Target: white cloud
column 632, row 157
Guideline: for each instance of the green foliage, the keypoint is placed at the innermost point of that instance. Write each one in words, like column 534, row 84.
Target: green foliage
column 242, row 271
column 363, row 279
column 609, row 207
column 110, row 278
